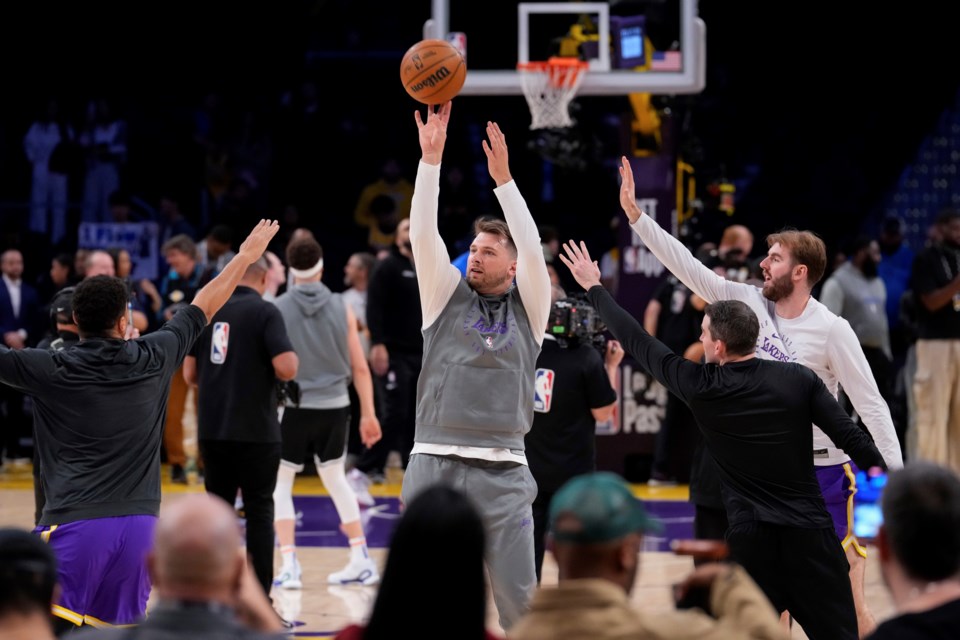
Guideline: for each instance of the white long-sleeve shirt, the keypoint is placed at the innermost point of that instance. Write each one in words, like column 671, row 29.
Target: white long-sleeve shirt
column 816, row 338
column 437, row 278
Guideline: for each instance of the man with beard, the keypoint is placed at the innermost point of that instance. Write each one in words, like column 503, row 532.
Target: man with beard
column 856, row 293
column 794, row 327
column 481, row 338
column 936, row 284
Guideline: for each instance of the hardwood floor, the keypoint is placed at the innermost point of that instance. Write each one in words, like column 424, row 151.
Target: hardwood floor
column 320, row 609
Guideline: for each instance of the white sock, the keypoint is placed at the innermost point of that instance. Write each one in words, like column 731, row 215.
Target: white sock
column 289, row 555
column 358, row 549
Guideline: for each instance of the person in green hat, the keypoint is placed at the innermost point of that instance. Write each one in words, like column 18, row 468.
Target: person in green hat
column 597, row 528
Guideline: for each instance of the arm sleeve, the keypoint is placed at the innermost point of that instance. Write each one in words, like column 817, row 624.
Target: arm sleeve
column 831, row 296
column 672, row 371
column 833, row 420
column 26, row 370
column 681, row 263
column 853, row 372
column 533, row 280
column 199, row 343
column 436, row 277
column 179, row 333
column 275, row 332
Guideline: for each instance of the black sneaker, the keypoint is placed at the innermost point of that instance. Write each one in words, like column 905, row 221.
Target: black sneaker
column 177, row 474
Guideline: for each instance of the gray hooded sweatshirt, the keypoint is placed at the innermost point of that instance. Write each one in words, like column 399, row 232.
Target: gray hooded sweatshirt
column 316, row 321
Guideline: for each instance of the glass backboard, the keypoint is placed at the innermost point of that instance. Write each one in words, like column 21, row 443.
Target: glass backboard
column 672, row 65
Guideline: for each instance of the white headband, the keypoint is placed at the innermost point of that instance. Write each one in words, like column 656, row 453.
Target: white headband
column 303, row 274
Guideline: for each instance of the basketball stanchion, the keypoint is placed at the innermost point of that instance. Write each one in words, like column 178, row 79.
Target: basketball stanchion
column 549, row 86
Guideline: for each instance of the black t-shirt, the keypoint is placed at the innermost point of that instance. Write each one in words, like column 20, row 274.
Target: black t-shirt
column 678, row 324
column 236, row 388
column 756, row 417
column 939, row 623
column 99, row 410
column 934, row 268
column 570, row 382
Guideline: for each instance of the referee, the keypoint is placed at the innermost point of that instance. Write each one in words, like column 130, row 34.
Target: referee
column 235, row 364
column 755, row 416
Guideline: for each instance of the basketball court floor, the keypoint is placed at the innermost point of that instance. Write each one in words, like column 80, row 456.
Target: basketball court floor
column 319, row 609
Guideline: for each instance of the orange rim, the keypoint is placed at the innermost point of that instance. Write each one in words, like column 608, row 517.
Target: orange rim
column 555, row 62
column 561, row 72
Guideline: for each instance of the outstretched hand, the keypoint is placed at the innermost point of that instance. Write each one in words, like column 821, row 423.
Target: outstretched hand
column 628, row 191
column 256, row 243
column 585, row 271
column 496, row 150
column 433, row 132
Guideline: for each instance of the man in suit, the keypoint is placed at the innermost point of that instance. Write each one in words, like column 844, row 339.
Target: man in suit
column 19, row 307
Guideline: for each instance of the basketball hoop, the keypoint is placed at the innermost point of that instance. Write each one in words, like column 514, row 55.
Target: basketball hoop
column 549, row 87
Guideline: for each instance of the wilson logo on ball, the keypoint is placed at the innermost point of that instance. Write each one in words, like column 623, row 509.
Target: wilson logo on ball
column 432, row 80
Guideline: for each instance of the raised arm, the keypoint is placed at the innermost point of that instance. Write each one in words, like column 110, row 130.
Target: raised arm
column 533, row 281
column 675, row 257
column 216, row 292
column 853, row 372
column 436, row 277
column 654, row 357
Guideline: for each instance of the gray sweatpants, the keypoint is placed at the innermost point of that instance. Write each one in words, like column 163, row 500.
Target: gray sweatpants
column 504, row 494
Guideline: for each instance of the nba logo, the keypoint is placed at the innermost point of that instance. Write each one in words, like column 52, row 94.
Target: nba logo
column 219, row 343
column 543, row 391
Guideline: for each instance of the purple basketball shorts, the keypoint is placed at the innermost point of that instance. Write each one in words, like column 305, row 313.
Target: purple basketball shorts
column 838, row 484
column 102, row 569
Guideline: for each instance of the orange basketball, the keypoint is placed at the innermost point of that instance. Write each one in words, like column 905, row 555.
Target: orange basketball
column 433, row 71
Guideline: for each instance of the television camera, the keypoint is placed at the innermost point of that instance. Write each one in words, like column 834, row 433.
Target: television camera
column 574, row 321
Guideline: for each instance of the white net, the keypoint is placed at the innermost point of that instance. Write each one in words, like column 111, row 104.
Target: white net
column 549, row 87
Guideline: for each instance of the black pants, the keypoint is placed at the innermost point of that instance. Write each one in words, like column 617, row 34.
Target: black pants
column 541, row 510
column 398, row 411
column 252, row 468
column 803, row 571
column 709, row 523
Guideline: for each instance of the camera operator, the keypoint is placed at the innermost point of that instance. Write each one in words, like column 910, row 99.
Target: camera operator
column 576, row 388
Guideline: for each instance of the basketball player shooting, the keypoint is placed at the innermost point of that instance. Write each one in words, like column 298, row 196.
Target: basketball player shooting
column 481, row 338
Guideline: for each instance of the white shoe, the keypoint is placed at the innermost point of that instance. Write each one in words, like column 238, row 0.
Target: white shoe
column 362, row 571
column 289, row 577
column 360, row 484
